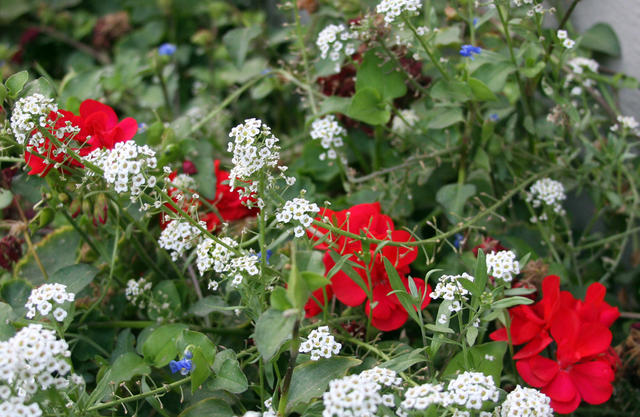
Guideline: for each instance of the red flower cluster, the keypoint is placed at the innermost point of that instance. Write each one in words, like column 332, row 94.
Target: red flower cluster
column 388, row 314
column 228, row 205
column 99, row 128
column 585, row 364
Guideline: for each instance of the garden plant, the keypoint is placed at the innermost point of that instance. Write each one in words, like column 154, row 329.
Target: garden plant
column 311, row 208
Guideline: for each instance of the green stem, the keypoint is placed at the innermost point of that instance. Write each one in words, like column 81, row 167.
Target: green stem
column 164, row 389
column 305, row 59
column 426, row 48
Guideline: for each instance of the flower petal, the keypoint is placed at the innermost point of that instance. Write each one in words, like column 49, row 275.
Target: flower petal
column 593, row 380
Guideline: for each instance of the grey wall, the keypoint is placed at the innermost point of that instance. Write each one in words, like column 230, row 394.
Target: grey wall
column 624, row 17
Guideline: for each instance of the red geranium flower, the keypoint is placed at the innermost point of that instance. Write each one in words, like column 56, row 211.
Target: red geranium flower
column 99, row 128
column 388, row 313
column 489, row 244
column 585, row 362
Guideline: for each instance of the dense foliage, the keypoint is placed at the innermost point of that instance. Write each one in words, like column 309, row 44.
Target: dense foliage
column 318, row 207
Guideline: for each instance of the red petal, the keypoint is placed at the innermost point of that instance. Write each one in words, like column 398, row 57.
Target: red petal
column 398, row 255
column 593, row 339
column 128, row 129
column 89, row 107
column 347, row 291
column 537, row 345
column 561, row 388
column 312, row 308
column 537, row 371
column 593, row 380
column 387, row 316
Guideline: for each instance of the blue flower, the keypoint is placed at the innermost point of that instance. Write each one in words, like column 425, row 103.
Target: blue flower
column 457, row 240
column 269, row 253
column 142, row 127
column 184, row 365
column 167, row 49
column 494, row 117
column 469, row 50
column 475, row 21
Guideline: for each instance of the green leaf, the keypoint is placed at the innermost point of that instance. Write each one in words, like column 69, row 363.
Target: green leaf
column 201, row 370
column 511, row 301
column 480, row 90
column 3, row 93
column 229, row 375
column 311, row 379
column 405, row 360
column 519, row 291
column 206, row 176
column 400, row 290
column 75, row 277
column 6, row 197
column 533, row 71
column 164, row 294
column 448, row 35
column 210, row 407
column 453, row 198
column 16, row 82
column 442, row 117
column 199, row 341
column 16, row 293
column 311, row 261
column 494, row 75
column 439, row 328
column 451, row 91
column 209, row 304
column 237, row 43
column 160, row 347
column 55, row 251
column 472, row 335
column 126, row 367
column 334, row 104
column 601, row 38
column 279, row 300
column 480, row 273
column 314, row 280
column 297, row 290
column 368, row 106
column 272, row 330
column 6, row 316
column 382, row 75
column 479, row 360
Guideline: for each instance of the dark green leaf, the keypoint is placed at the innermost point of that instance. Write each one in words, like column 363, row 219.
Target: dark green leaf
column 442, row 117
column 75, row 277
column 209, row 304
column 480, row 90
column 237, row 43
column 211, row 407
column 380, row 75
column 601, row 38
column 453, row 198
column 16, row 82
column 229, row 375
column 160, row 347
column 511, row 301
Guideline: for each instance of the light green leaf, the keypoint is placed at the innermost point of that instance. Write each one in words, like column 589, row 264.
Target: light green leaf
column 237, row 43
column 160, row 347
column 442, row 117
column 279, row 300
column 75, row 277
column 210, row 407
column 453, row 198
column 511, row 301
column 6, row 198
column 381, row 75
column 451, row 91
column 209, row 304
column 229, row 375
column 6, row 316
column 311, row 379
column 272, row 330
column 368, row 106
column 16, row 82
column 485, row 358
column 602, row 38
column 480, row 90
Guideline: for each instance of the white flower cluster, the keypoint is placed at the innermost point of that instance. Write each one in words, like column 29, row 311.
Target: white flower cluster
column 334, row 40
column 360, row 395
column 578, row 64
column 134, row 291
column 331, row 135
column 212, row 255
column 526, row 402
column 422, row 396
column 502, row 265
column 178, row 237
column 566, row 41
column 297, row 210
column 403, row 122
column 255, row 149
column 43, row 300
column 450, row 288
column 548, row 192
column 391, row 9
column 183, row 182
column 627, row 123
column 471, row 389
column 321, row 344
column 31, row 361
column 126, row 166
column 28, row 113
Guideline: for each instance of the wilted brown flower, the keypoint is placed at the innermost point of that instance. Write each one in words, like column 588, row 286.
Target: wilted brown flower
column 109, row 28
column 309, row 5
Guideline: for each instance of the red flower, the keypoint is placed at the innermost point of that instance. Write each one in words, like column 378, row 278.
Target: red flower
column 585, row 363
column 388, row 313
column 489, row 244
column 99, row 128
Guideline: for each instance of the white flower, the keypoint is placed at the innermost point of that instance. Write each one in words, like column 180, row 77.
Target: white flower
column 526, row 402
column 568, row 43
column 562, row 34
column 298, row 211
column 178, row 237
column 548, row 192
column 502, row 265
column 135, row 291
column 391, row 9
column 42, row 300
column 212, row 255
column 404, row 122
column 450, row 288
column 28, row 113
column 579, row 63
column 334, row 41
column 320, row 343
column 330, row 133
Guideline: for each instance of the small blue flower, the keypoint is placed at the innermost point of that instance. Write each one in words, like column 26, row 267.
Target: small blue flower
column 469, row 50
column 269, row 253
column 184, row 365
column 494, row 117
column 142, row 127
column 475, row 21
column 167, row 49
column 457, row 240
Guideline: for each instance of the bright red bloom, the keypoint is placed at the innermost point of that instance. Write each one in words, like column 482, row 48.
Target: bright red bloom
column 585, row 362
column 99, row 128
column 388, row 313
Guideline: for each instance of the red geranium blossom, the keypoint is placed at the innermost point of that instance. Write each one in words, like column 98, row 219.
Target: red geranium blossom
column 388, row 313
column 98, row 128
column 228, row 205
column 585, row 363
